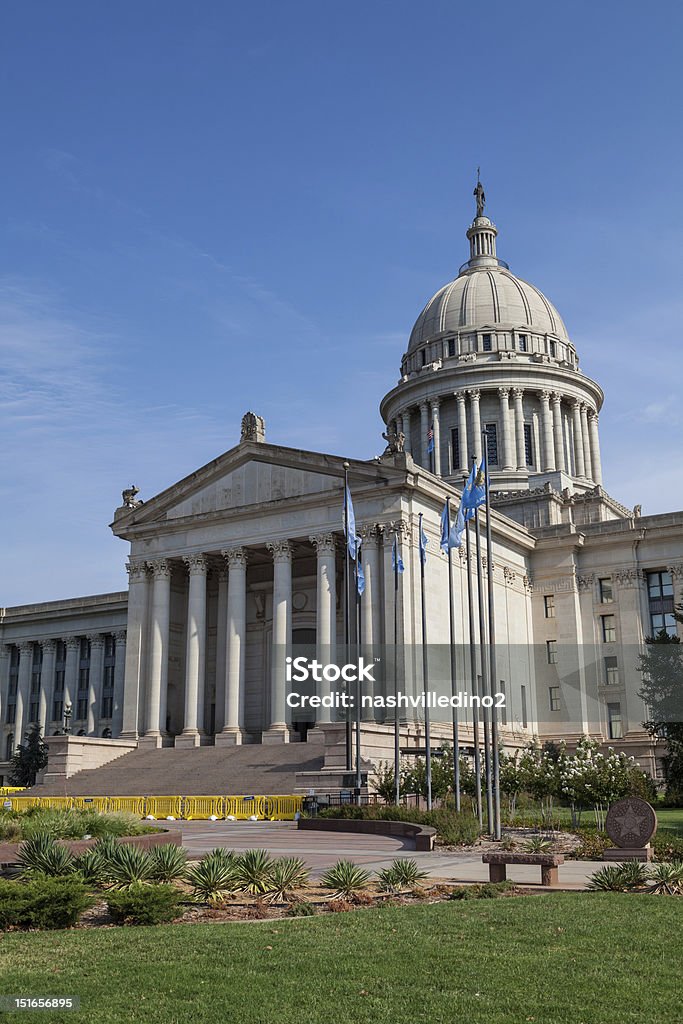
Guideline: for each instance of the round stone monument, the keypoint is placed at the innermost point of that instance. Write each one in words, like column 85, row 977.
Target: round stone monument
column 630, row 824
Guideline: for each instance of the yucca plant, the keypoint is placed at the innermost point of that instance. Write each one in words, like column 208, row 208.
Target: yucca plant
column 168, row 863
column 255, row 872
column 42, row 855
column 401, row 875
column 287, row 875
column 130, row 865
column 608, row 879
column 94, row 867
column 538, row 844
column 634, row 874
column 666, row 879
column 213, row 878
column 346, row 879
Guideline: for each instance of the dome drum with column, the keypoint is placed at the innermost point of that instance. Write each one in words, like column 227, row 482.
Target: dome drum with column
column 491, row 351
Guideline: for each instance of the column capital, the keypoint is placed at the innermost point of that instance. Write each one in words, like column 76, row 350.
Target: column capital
column 197, row 565
column 96, row 639
column 504, row 393
column 424, row 405
column 324, row 543
column 459, row 396
column 161, row 568
column 281, row 550
column 435, row 403
column 25, row 647
column 398, row 527
column 120, row 636
column 676, row 570
column 576, row 404
column 235, row 557
column 518, row 394
column 555, row 397
column 370, row 533
column 49, row 645
column 544, row 396
column 137, row 571
column 72, row 642
column 474, row 394
column 592, row 415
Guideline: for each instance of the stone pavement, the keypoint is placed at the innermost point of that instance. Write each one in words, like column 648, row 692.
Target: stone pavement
column 321, row 849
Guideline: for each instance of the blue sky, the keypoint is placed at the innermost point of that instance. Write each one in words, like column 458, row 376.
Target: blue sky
column 212, row 207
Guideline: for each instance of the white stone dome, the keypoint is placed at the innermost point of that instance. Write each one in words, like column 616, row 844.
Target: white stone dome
column 487, row 296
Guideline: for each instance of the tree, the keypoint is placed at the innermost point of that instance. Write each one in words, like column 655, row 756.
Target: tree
column 29, row 759
column 662, row 669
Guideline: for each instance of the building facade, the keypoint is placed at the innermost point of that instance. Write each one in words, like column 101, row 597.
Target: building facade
column 244, row 560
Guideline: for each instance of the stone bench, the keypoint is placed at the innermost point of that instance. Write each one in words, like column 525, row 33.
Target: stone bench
column 548, row 863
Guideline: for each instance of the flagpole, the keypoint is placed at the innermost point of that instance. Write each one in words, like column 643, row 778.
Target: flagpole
column 425, row 670
column 484, row 675
column 473, row 671
column 358, row 687
column 397, row 724
column 451, row 608
column 347, row 607
column 493, row 671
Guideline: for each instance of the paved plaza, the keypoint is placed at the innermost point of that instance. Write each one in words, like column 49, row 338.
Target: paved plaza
column 321, row 849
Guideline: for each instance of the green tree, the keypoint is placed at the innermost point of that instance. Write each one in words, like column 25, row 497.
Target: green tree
column 661, row 667
column 29, row 759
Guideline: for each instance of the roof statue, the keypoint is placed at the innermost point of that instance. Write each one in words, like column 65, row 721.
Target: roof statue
column 480, row 196
column 253, row 428
column 128, row 497
column 395, row 441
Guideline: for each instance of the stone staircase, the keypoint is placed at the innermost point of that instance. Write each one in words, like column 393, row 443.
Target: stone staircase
column 252, row 769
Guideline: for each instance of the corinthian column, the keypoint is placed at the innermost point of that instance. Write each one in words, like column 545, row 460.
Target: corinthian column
column 371, row 605
column 558, row 432
column 326, row 612
column 95, row 680
column 135, row 654
column 235, row 648
column 579, row 463
column 436, row 426
column 282, row 639
column 595, row 446
column 517, row 395
column 73, row 655
column 221, row 574
column 405, row 426
column 424, row 430
column 462, row 434
column 21, row 722
column 155, row 721
column 119, row 682
column 47, row 678
column 195, row 658
column 547, row 432
column 474, row 394
column 506, row 429
column 586, row 441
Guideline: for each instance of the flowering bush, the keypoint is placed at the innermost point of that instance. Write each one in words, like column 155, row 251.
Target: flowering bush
column 593, row 779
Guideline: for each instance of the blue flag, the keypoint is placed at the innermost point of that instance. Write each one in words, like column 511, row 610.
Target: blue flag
column 423, row 544
column 451, row 536
column 430, row 440
column 352, row 540
column 445, row 529
column 360, row 575
column 396, row 560
column 465, row 512
column 474, row 494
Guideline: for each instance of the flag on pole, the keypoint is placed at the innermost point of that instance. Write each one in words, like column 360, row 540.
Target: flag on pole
column 360, row 574
column 474, row 494
column 465, row 512
column 430, row 440
column 396, row 560
column 423, row 544
column 451, row 537
column 352, row 540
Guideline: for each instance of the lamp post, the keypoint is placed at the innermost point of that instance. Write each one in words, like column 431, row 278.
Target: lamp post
column 67, row 719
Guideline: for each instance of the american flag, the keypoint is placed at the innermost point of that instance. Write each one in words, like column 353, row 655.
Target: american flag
column 430, row 439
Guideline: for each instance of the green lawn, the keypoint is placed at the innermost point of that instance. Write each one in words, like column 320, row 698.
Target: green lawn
column 552, row 959
column 670, row 818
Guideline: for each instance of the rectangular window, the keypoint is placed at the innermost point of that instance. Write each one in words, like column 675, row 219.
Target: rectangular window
column 553, row 349
column 57, row 709
column 614, row 726
column 11, row 714
column 487, row 344
column 551, row 651
column 451, row 346
column 609, row 629
column 523, row 343
column 529, row 445
column 504, row 709
column 611, row 671
column 525, row 720
column 423, row 356
column 81, row 708
column 663, row 621
column 554, row 698
column 660, row 593
column 455, row 447
column 549, row 606
column 491, row 443
column 33, row 710
column 606, row 591
column 660, row 584
column 107, row 703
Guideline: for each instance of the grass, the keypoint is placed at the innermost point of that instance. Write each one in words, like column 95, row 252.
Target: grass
column 670, row 818
column 554, row 959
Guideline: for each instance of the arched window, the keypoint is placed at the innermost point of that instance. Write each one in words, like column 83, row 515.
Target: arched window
column 9, row 747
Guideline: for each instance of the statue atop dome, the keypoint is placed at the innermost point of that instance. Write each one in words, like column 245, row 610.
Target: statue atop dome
column 480, row 196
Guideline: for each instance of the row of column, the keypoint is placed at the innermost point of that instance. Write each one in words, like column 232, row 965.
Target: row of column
column 511, row 442
column 46, row 697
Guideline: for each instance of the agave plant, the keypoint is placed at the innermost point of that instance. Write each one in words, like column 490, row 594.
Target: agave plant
column 255, row 872
column 41, row 854
column 538, row 844
column 346, row 879
column 213, row 878
column 94, row 866
column 634, row 874
column 608, row 879
column 129, row 865
column 401, row 875
column 666, row 879
column 287, row 875
column 168, row 863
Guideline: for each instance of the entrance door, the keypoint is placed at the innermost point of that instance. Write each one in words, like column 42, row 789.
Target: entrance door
column 303, row 644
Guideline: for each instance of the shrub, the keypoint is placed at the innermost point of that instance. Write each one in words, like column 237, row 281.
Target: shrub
column 538, row 844
column 666, row 879
column 287, row 875
column 608, row 879
column 301, row 909
column 346, row 878
column 667, row 846
column 41, row 854
column 129, row 864
column 592, row 844
column 43, row 902
column 74, row 823
column 168, row 863
column 254, row 869
column 214, row 878
column 400, row 875
column 144, row 904
column 94, row 867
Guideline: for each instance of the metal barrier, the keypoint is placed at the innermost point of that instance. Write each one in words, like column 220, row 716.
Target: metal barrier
column 132, row 804
column 188, row 807
column 91, row 803
column 203, row 807
column 164, row 806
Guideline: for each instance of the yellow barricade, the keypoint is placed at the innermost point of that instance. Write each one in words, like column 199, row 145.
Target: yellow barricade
column 132, row 804
column 10, row 790
column 283, row 807
column 92, row 803
column 244, row 807
column 203, row 807
column 22, row 803
column 164, row 806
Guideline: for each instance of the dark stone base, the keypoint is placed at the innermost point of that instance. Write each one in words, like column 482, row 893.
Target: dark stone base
column 643, row 853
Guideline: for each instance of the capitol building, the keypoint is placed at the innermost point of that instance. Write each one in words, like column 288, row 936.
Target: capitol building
column 244, row 559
